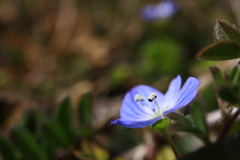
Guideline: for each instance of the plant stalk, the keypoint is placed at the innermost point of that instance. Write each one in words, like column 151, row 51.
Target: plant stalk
column 170, row 141
column 228, row 125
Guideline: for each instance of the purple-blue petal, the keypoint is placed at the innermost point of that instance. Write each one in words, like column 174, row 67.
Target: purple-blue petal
column 132, row 109
column 173, row 90
column 135, row 123
column 161, row 10
column 185, row 95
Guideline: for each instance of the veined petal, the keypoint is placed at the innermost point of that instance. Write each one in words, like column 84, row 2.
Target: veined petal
column 131, row 108
column 185, row 95
column 135, row 123
column 172, row 93
column 143, row 109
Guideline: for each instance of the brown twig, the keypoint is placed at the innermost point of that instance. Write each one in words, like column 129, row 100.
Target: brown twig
column 228, row 125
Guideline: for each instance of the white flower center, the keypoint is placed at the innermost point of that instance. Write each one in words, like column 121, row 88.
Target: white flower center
column 154, row 107
column 138, row 98
column 152, row 96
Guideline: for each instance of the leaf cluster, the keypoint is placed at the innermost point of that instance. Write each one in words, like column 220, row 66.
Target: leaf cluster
column 227, row 87
column 42, row 138
column 227, row 45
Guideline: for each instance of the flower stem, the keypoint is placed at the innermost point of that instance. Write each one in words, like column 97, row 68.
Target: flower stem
column 170, row 141
column 228, row 125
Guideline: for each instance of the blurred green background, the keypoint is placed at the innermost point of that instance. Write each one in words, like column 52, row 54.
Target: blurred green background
column 50, row 50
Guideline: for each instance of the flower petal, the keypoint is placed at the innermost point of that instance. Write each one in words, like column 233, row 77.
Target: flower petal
column 135, row 123
column 171, row 94
column 173, row 88
column 159, row 11
column 141, row 110
column 185, row 95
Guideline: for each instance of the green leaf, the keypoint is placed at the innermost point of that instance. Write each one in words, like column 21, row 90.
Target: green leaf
column 229, row 30
column 179, row 118
column 64, row 116
column 162, row 124
column 217, row 75
column 219, row 33
column 234, row 75
column 26, row 144
column 199, row 117
column 8, row 152
column 53, row 132
column 85, row 109
column 229, row 94
column 223, row 50
column 31, row 120
column 181, row 123
column 48, row 149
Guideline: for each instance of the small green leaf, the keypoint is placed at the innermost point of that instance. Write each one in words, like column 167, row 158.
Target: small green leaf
column 85, row 109
column 161, row 125
column 217, row 75
column 8, row 152
column 64, row 116
column 181, row 122
column 48, row 149
column 179, row 118
column 223, row 50
column 218, row 33
column 53, row 132
column 31, row 120
column 229, row 94
column 234, row 75
column 26, row 144
column 199, row 117
column 231, row 31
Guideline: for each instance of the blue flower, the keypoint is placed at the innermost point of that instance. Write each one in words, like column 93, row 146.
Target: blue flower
column 159, row 11
column 143, row 105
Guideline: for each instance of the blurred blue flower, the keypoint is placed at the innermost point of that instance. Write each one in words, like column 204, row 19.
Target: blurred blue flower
column 159, row 11
column 143, row 105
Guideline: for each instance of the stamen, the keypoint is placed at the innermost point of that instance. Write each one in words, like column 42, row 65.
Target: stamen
column 140, row 102
column 157, row 108
column 138, row 98
column 152, row 96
